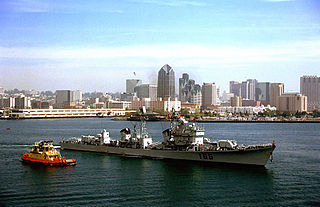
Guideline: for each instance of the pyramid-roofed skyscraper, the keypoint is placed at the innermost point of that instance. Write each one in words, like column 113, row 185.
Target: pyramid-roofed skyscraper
column 166, row 82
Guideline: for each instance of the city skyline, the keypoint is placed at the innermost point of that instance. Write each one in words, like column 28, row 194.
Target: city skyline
column 59, row 45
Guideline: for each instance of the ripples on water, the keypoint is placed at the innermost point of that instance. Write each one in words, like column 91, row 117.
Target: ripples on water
column 100, row 180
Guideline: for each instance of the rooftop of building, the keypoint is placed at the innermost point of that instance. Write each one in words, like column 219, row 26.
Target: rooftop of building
column 310, row 76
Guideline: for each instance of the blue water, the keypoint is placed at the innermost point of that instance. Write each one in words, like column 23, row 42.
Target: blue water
column 292, row 179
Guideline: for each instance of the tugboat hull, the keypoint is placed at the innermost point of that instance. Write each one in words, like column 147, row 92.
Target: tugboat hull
column 58, row 162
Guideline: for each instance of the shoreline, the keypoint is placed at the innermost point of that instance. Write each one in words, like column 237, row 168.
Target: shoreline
column 114, row 118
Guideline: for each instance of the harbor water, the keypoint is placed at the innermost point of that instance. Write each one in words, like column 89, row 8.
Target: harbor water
column 292, row 179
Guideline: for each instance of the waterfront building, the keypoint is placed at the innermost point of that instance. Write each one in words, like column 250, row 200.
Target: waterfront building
column 189, row 91
column 166, row 104
column 118, row 104
column 99, row 105
column 127, row 96
column 22, row 102
column 245, row 109
column 276, row 89
column 131, row 84
column 7, row 102
column 62, row 99
column 292, row 102
column 263, row 92
column 64, row 113
column 138, row 103
column 247, row 102
column 76, row 96
column 191, row 108
column 236, row 101
column 146, row 91
column 209, row 95
column 37, row 104
column 166, row 82
column 310, row 87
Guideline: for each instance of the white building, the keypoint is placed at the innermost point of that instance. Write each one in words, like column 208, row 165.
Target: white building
column 76, row 96
column 22, row 102
column 65, row 113
column 209, row 95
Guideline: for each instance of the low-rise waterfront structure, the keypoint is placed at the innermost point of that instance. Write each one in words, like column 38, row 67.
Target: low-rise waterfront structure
column 160, row 104
column 191, row 108
column 245, row 110
column 64, row 113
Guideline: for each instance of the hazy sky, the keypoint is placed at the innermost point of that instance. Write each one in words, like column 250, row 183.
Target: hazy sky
column 96, row 45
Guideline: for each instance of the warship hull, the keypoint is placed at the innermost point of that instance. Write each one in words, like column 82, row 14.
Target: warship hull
column 257, row 156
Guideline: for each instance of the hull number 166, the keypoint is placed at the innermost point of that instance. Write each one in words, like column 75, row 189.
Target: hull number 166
column 206, row 156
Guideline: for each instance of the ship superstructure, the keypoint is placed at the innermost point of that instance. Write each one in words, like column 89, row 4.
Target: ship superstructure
column 182, row 141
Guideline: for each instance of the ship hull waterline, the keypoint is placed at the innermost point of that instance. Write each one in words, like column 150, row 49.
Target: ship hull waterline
column 255, row 157
column 51, row 164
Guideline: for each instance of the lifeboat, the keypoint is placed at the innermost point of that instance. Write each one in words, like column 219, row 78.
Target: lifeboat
column 43, row 153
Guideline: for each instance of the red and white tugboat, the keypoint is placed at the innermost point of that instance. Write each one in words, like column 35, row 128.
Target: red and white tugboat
column 43, row 153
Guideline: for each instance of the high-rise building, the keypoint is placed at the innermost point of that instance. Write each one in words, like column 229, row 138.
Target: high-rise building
column 188, row 90
column 7, row 102
column 76, row 96
column 131, row 84
column 166, row 82
column 22, row 102
column 63, row 98
column 235, row 88
column 310, row 87
column 1, row 90
column 196, row 96
column 209, row 95
column 252, row 91
column 263, row 92
column 292, row 102
column 182, row 87
column 146, row 91
column 245, row 89
column 276, row 89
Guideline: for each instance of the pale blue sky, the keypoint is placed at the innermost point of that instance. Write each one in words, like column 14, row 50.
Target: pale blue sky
column 95, row 45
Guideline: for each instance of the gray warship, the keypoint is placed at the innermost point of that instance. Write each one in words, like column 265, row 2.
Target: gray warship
column 181, row 141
